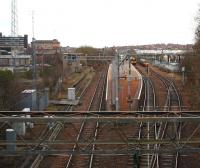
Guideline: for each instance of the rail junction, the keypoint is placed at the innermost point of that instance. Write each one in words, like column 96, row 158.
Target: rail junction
column 159, row 134
column 134, row 144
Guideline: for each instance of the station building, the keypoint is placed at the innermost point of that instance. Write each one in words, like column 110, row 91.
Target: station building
column 72, row 62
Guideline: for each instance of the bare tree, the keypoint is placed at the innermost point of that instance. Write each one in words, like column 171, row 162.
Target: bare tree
column 9, row 90
column 192, row 64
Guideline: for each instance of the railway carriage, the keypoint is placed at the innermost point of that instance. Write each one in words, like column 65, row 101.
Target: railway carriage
column 133, row 60
column 144, row 62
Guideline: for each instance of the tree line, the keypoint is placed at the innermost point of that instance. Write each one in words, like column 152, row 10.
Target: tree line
column 192, row 66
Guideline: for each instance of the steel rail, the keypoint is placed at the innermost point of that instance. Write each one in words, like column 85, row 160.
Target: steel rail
column 94, row 113
column 79, row 134
column 151, row 96
column 78, row 91
column 135, row 141
column 97, row 123
column 169, row 84
column 55, row 132
column 148, row 102
column 104, row 118
column 171, row 89
column 83, row 124
column 52, row 137
column 181, row 150
column 158, row 133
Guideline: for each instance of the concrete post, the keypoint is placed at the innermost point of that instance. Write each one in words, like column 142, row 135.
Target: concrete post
column 113, row 81
column 117, row 83
column 129, row 75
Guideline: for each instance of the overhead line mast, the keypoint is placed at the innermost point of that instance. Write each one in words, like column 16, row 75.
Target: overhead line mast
column 14, row 19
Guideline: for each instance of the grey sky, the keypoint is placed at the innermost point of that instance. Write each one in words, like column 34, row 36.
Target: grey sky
column 102, row 23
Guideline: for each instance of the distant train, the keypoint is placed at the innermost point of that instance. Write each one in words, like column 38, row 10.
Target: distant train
column 133, row 60
column 143, row 62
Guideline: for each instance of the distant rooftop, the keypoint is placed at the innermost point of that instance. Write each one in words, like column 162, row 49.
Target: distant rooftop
column 46, row 41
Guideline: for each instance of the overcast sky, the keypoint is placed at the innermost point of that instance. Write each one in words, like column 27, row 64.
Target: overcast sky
column 102, row 23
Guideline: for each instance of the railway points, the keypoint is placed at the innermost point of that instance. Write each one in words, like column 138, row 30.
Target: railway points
column 92, row 133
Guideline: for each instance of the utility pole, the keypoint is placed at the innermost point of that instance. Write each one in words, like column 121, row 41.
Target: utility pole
column 34, row 73
column 113, row 80
column 129, row 82
column 33, row 25
column 14, row 28
column 14, row 19
column 117, row 82
column 33, row 53
column 129, row 75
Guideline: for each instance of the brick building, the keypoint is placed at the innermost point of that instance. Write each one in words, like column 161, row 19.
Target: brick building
column 46, row 51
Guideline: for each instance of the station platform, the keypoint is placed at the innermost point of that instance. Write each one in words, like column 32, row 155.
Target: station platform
column 129, row 88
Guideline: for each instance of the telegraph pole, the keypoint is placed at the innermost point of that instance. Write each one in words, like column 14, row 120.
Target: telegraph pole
column 34, row 73
column 14, row 19
column 117, row 82
column 14, row 29
column 34, row 54
column 129, row 78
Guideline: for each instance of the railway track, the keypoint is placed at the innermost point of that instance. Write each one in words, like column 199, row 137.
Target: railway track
column 66, row 160
column 147, row 130
column 92, row 131
column 80, row 87
column 89, row 130
column 160, row 130
column 52, row 137
column 169, row 130
column 173, row 101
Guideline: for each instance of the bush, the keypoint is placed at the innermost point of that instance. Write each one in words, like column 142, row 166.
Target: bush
column 6, row 76
column 28, row 74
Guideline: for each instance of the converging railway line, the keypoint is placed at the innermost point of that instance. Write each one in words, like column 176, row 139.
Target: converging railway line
column 167, row 92
column 89, row 130
column 84, row 130
column 147, row 130
column 173, row 131
column 159, row 130
column 86, row 136
column 82, row 87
